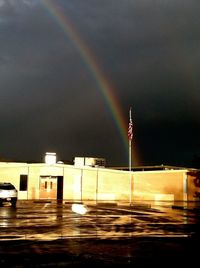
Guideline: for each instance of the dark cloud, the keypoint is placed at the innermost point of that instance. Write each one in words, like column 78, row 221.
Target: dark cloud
column 50, row 99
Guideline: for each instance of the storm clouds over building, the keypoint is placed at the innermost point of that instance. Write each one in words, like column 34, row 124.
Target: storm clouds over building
column 70, row 70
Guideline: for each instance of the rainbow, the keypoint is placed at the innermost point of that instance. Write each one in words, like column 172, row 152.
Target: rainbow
column 103, row 85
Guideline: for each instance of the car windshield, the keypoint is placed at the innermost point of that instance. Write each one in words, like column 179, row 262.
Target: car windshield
column 6, row 187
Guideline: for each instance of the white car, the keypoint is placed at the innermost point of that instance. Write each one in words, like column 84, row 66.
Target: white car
column 8, row 194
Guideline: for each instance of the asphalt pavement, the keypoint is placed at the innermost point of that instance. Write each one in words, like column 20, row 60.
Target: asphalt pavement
column 50, row 234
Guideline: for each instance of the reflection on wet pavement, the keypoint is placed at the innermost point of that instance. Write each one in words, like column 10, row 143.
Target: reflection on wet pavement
column 50, row 221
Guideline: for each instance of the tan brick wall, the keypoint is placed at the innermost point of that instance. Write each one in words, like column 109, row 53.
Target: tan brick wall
column 113, row 185
column 89, row 183
column 158, row 185
column 72, row 183
column 33, row 182
column 11, row 173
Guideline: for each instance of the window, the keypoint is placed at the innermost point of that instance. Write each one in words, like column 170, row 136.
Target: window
column 23, row 182
column 6, row 186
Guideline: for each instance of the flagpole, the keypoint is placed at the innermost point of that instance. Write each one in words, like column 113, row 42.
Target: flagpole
column 130, row 136
column 130, row 155
column 130, row 172
column 130, row 139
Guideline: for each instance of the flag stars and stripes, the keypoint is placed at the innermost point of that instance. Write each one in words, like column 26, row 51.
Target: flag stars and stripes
column 130, row 130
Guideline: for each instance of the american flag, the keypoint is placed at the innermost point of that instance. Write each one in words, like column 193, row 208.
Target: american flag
column 130, row 127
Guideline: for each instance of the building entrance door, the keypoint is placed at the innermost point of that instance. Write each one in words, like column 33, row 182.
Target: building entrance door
column 48, row 187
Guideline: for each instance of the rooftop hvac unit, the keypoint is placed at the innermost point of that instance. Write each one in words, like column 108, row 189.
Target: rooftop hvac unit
column 89, row 161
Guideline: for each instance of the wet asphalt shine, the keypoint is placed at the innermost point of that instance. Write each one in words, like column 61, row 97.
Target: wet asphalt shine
column 51, row 234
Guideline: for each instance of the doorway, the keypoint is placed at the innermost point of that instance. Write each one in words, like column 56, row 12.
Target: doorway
column 48, row 187
column 51, row 187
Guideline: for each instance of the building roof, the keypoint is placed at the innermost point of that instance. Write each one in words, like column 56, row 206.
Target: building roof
column 148, row 168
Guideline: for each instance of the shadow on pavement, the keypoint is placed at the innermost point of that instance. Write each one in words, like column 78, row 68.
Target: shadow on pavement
column 101, row 253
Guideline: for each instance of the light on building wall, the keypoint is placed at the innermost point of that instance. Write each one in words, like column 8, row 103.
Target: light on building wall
column 50, row 158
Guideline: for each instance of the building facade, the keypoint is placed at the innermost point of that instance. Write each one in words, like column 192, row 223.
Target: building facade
column 58, row 181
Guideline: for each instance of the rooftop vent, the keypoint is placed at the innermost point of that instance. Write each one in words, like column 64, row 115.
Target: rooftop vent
column 50, row 158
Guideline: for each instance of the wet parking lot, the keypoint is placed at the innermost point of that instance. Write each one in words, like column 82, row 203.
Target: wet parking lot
column 36, row 234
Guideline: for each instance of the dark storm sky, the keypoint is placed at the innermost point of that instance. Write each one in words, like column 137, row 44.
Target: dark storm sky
column 149, row 53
